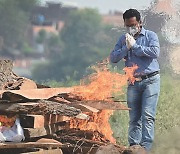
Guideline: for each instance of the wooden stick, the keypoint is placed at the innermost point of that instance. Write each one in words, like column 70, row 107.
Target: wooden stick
column 47, row 130
column 41, row 107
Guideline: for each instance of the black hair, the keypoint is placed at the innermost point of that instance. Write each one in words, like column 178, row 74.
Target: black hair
column 132, row 13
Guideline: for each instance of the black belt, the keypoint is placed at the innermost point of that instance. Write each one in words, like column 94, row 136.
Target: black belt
column 149, row 75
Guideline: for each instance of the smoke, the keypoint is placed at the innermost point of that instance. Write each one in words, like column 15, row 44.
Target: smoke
column 171, row 28
column 171, row 32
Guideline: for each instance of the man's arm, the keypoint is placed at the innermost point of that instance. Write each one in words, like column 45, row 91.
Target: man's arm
column 152, row 50
column 120, row 51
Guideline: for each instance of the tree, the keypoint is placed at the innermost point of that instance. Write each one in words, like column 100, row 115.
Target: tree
column 85, row 41
column 41, row 37
column 14, row 15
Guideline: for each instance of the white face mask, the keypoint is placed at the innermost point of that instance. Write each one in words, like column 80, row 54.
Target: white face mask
column 132, row 30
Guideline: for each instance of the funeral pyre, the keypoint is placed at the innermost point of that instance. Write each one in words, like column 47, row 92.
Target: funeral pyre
column 74, row 119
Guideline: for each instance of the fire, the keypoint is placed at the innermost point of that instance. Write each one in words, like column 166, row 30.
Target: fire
column 7, row 121
column 104, row 83
column 101, row 86
column 130, row 73
column 97, row 122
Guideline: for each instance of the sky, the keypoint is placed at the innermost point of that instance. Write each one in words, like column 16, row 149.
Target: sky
column 104, row 6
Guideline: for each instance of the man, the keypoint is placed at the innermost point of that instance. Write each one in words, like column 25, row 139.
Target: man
column 141, row 47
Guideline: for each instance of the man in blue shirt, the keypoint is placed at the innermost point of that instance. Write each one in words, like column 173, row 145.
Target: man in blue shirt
column 141, row 47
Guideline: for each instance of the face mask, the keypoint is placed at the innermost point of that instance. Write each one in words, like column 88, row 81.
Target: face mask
column 132, row 30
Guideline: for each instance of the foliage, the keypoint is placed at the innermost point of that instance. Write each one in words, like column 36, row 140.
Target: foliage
column 68, row 83
column 41, row 36
column 14, row 15
column 26, row 49
column 83, row 41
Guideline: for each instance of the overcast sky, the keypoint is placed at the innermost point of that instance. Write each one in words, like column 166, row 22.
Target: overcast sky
column 105, row 5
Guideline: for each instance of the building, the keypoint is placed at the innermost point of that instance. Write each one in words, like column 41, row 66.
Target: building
column 114, row 18
column 50, row 17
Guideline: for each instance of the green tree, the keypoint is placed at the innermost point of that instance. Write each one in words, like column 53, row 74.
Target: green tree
column 41, row 37
column 85, row 41
column 27, row 5
column 14, row 15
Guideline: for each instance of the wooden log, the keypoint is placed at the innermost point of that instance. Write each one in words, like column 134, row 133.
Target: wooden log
column 66, row 148
column 39, row 121
column 32, row 121
column 47, row 130
column 62, row 118
column 74, row 140
column 6, row 66
column 82, row 116
column 103, row 105
column 40, row 107
column 29, row 145
column 6, row 73
column 27, row 84
column 45, row 93
column 90, row 105
column 70, row 97
column 59, row 99
column 84, row 107
column 47, row 119
column 42, row 151
column 79, row 149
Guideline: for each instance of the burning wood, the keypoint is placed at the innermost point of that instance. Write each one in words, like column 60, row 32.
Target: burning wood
column 103, row 105
column 98, row 122
column 41, row 107
column 37, row 93
column 7, row 121
column 46, row 130
column 91, row 101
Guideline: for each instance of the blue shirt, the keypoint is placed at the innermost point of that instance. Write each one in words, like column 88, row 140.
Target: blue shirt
column 144, row 53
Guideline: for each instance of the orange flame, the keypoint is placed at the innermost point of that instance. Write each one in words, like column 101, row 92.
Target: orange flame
column 102, row 85
column 97, row 122
column 7, row 121
column 130, row 73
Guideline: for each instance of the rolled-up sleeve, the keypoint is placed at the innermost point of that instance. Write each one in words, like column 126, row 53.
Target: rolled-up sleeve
column 152, row 50
column 120, row 51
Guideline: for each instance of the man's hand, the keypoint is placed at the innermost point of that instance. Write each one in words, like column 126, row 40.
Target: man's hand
column 130, row 41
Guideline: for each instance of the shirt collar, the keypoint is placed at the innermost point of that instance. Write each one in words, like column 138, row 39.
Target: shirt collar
column 142, row 31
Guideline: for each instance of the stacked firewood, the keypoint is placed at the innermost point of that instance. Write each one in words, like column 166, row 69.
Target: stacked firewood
column 46, row 112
